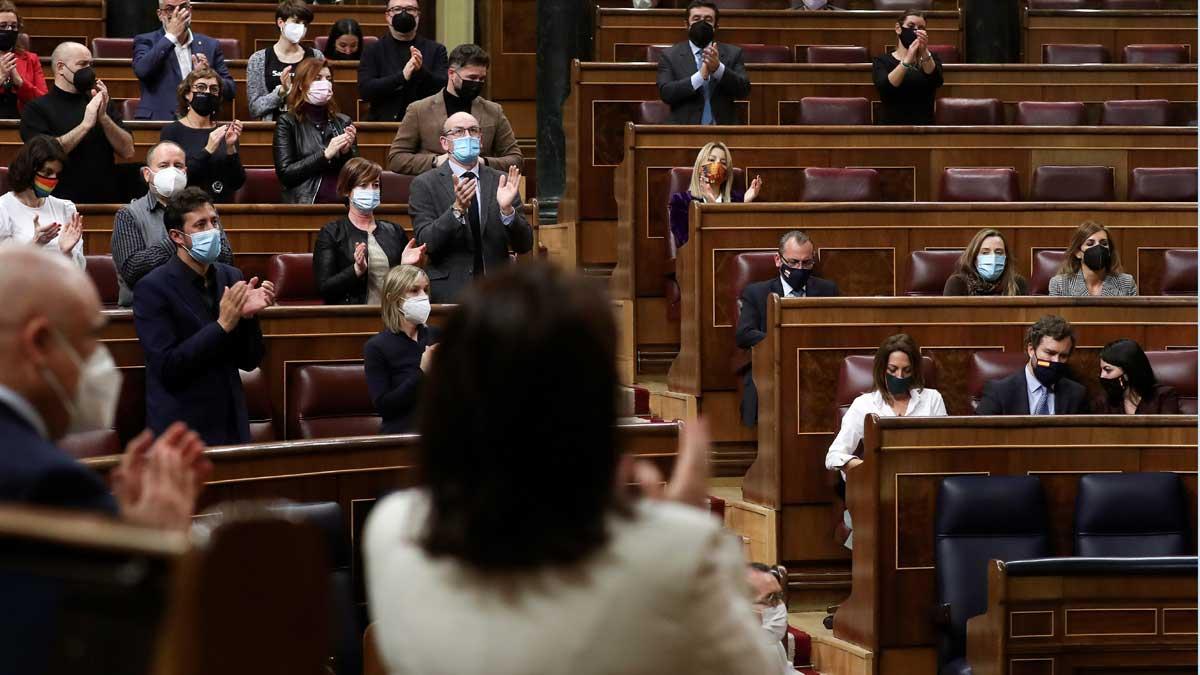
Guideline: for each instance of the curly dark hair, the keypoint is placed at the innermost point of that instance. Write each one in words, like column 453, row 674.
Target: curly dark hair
column 178, row 206
column 30, row 159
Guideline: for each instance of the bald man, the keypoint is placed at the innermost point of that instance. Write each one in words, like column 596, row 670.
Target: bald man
column 466, row 214
column 55, row 378
column 78, row 112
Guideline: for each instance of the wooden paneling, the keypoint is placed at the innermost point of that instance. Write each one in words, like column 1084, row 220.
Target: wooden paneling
column 508, row 29
column 1112, row 28
column 49, row 22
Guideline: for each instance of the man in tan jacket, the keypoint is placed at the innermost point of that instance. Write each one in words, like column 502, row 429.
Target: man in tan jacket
column 417, row 147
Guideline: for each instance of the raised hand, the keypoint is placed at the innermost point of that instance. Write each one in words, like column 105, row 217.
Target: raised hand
column 506, row 191
column 337, row 145
column 8, row 65
column 360, row 259
column 92, row 113
column 177, row 23
column 415, row 61
column 158, row 481
column 689, row 480
column 351, row 136
column 215, row 137
column 711, row 58
column 427, row 358
column 199, row 61
column 710, row 190
column 464, row 192
column 71, row 233
column 101, row 91
column 233, row 300
column 412, row 254
column 285, row 78
column 44, row 234
column 258, row 297
column 233, row 133
column 752, row 192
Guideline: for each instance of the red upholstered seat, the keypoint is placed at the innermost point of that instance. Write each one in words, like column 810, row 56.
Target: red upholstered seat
column 230, row 48
column 986, row 366
column 946, row 53
column 681, row 178
column 1072, row 184
column 262, row 187
column 1166, row 184
column 1179, row 272
column 679, row 181
column 980, row 184
column 113, row 48
column 1045, row 266
column 652, row 112
column 1068, row 54
column 1177, row 368
column 394, row 187
column 328, row 400
column 748, row 267
column 92, row 443
column 1141, row 113
column 825, row 110
column 258, row 406
column 837, row 54
column 1131, row 4
column 322, row 41
column 855, row 379
column 3, row 179
column 841, row 185
column 655, row 51
column 1161, row 54
column 292, row 274
column 129, row 107
column 968, row 111
column 1052, row 113
column 928, row 272
column 103, row 273
column 766, row 54
column 903, row 5
column 1058, row 4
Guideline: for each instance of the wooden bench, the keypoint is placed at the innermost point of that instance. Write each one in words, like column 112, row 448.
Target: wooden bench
column 1114, row 29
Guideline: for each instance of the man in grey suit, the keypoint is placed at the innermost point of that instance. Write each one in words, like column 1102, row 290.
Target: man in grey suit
column 699, row 78
column 466, row 214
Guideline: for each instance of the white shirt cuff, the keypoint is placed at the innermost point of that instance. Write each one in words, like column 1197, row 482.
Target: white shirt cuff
column 507, row 220
column 697, row 81
column 720, row 71
column 172, row 38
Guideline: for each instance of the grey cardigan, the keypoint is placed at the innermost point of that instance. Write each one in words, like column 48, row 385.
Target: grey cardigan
column 266, row 104
column 1074, row 285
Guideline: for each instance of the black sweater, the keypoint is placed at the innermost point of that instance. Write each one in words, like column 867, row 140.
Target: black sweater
column 381, row 76
column 912, row 101
column 393, row 365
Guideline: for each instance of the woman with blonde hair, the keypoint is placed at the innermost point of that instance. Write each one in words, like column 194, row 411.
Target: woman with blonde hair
column 712, row 183
column 1092, row 266
column 986, row 267
column 397, row 359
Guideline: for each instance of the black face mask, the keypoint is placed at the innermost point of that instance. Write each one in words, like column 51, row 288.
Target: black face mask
column 1048, row 372
column 796, row 277
column 1097, row 258
column 84, row 79
column 205, row 104
column 1114, row 387
column 404, row 22
column 8, row 40
column 701, row 33
column 908, row 36
column 339, row 56
column 898, row 386
column 469, row 89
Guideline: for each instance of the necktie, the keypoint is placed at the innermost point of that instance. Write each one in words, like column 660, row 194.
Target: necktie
column 473, row 221
column 1043, row 407
column 706, row 117
column 795, row 293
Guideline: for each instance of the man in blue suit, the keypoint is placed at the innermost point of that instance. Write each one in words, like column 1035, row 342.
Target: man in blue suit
column 162, row 59
column 195, row 319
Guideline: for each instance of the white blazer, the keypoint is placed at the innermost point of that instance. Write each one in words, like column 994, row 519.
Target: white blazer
column 667, row 594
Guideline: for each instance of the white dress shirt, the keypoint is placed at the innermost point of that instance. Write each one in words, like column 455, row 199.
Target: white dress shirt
column 715, row 76
column 458, row 172
column 787, row 289
column 921, row 403
column 16, row 222
column 1036, row 391
column 183, row 53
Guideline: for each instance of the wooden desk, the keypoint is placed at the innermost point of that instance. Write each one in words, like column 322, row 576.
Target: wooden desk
column 892, row 497
column 1112, row 28
column 49, row 22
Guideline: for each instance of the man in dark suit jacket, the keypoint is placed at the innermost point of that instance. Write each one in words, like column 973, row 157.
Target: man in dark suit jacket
column 195, row 319
column 698, row 78
column 1041, row 387
column 157, row 61
column 795, row 261
column 466, row 214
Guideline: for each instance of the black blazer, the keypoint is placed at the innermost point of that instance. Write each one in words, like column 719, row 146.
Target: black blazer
column 675, row 69
column 752, row 326
column 1010, row 396
column 299, row 151
column 393, row 365
column 333, row 258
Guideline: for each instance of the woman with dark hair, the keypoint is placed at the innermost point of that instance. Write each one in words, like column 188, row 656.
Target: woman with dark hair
column 1092, row 266
column 21, row 77
column 986, row 267
column 213, row 162
column 29, row 213
column 1130, row 387
column 345, row 41
column 269, row 71
column 522, row 531
column 313, row 141
column 908, row 78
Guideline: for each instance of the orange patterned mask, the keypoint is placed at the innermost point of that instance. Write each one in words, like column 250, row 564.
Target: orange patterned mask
column 716, row 173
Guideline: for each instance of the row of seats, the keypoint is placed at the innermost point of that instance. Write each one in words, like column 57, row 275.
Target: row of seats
column 122, row 48
column 1097, row 4
column 904, row 5
column 1053, row 53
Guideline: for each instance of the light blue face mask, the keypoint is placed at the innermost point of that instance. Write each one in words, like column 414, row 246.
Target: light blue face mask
column 365, row 200
column 466, row 150
column 989, row 266
column 206, row 246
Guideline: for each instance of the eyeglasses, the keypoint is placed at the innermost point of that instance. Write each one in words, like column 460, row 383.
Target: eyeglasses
column 802, row 264
column 392, row 11
column 203, row 89
column 168, row 9
column 459, row 132
column 9, row 26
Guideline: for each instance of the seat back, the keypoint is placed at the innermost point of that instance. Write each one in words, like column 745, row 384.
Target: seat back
column 1067, row 54
column 394, row 187
column 1177, row 368
column 1141, row 113
column 262, row 187
column 327, row 400
column 903, row 5
column 1052, row 113
column 103, row 272
column 258, row 406
column 958, row 111
column 837, row 54
column 1131, row 515
column 978, row 519
column 1166, row 184
column 855, row 377
column 1073, row 184
column 652, row 112
column 1131, row 4
column 823, row 184
column 653, row 52
column 1179, row 272
column 295, row 283
column 748, row 267
column 112, row 48
column 322, row 41
column 826, row 110
column 1160, row 54
column 928, row 272
column 1046, row 264
column 766, row 54
column 129, row 107
column 946, row 53
column 980, row 184
column 986, row 366
column 231, row 49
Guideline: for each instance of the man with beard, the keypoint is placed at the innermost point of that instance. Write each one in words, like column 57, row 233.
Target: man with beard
column 699, row 78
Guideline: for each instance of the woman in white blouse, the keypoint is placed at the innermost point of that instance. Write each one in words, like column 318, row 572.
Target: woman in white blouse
column 899, row 392
column 28, row 212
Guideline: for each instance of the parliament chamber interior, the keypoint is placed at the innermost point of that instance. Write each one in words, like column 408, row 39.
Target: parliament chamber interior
column 910, row 388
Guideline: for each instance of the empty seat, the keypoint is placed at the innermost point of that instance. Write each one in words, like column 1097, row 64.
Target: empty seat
column 836, row 54
column 1177, row 368
column 903, row 5
column 1072, row 184
column 928, row 272
column 1167, row 184
column 322, row 41
column 258, row 406
column 856, row 377
column 394, row 187
column 261, row 187
column 1046, row 264
column 828, row 110
column 980, row 184
column 112, row 48
column 1143, row 113
column 989, row 365
column 1069, row 54
column 959, row 111
column 841, row 185
column 1131, row 515
column 766, row 54
column 655, row 51
column 1052, row 113
column 230, row 48
column 946, row 53
column 1179, row 272
column 103, row 273
column 652, row 112
column 1160, row 54
column 295, row 283
column 1131, row 4
column 328, row 400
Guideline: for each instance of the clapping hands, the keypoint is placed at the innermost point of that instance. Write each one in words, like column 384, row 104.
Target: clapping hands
column 507, row 190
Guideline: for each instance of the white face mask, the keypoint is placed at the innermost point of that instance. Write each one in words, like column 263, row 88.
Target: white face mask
column 775, row 620
column 417, row 309
column 816, row 4
column 294, row 32
column 168, row 181
column 94, row 406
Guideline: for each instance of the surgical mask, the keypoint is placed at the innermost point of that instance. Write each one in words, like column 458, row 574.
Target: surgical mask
column 465, row 150
column 206, row 246
column 716, row 173
column 416, row 309
column 908, row 36
column 8, row 40
column 205, row 104
column 404, row 22
column 775, row 620
column 319, row 93
column 43, row 186
column 84, row 79
column 1097, row 258
column 1114, row 387
column 898, row 386
column 1048, row 372
column 796, row 277
column 989, row 266
column 168, row 181
column 94, row 406
column 364, row 199
column 294, row 32
column 701, row 33
column 469, row 90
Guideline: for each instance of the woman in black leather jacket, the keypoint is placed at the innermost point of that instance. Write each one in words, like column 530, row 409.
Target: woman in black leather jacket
column 353, row 254
column 313, row 141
